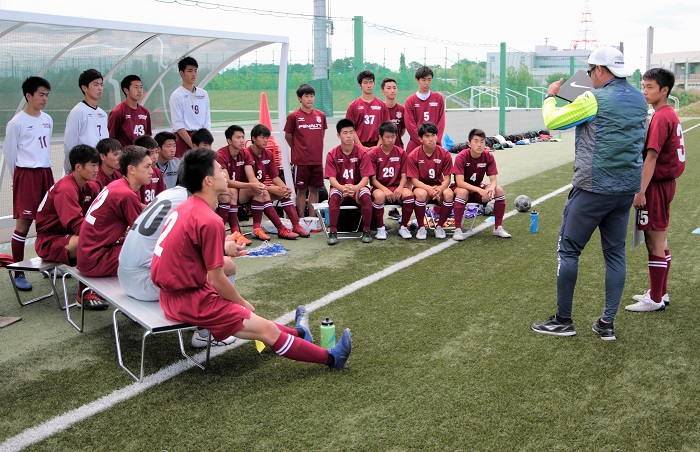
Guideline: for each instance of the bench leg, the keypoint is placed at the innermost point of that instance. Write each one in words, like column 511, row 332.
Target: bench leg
column 68, row 305
column 119, row 347
column 189, row 358
column 40, row 297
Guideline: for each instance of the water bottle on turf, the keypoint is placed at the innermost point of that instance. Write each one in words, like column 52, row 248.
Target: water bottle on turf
column 327, row 333
column 534, row 221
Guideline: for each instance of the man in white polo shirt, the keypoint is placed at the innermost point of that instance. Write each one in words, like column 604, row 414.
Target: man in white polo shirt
column 189, row 107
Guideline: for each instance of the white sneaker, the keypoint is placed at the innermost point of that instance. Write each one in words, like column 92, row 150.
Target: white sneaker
column 405, row 232
column 645, row 296
column 645, row 305
column 422, row 234
column 381, row 233
column 199, row 340
column 458, row 235
column 440, row 233
column 500, row 232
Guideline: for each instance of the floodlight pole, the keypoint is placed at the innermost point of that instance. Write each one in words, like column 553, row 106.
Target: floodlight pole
column 502, row 93
column 359, row 61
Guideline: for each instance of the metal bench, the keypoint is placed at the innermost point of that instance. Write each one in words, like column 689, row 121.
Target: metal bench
column 35, row 264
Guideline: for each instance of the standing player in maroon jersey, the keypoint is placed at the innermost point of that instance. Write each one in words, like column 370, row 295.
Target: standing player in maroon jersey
column 265, row 169
column 430, row 169
column 27, row 151
column 470, row 167
column 424, row 106
column 389, row 180
column 129, row 120
column 390, row 90
column 348, row 169
column 664, row 162
column 367, row 112
column 203, row 296
column 110, row 149
column 304, row 132
column 148, row 192
column 111, row 214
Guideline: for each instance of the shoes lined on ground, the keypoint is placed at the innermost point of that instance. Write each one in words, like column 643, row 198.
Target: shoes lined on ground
column 394, row 213
column 301, row 320
column 405, row 233
column 92, row 301
column 341, row 351
column 458, row 235
column 285, row 233
column 260, row 234
column 422, row 234
column 332, row 238
column 199, row 340
column 22, row 283
column 554, row 327
column 366, row 237
column 645, row 296
column 440, row 233
column 500, row 232
column 300, row 231
column 606, row 331
column 381, row 233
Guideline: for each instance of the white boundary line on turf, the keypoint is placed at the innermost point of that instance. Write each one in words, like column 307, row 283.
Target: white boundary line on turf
column 66, row 420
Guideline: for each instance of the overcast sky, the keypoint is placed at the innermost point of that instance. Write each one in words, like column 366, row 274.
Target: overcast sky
column 437, row 31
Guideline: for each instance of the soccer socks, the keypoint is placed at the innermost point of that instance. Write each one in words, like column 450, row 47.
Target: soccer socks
column 657, row 275
column 445, row 211
column 257, row 207
column 295, row 348
column 460, row 206
column 233, row 217
column 334, row 209
column 18, row 239
column 366, row 208
column 420, row 213
column 499, row 209
column 290, row 210
column 378, row 215
column 271, row 213
column 287, row 329
column 407, row 210
column 664, row 288
column 223, row 211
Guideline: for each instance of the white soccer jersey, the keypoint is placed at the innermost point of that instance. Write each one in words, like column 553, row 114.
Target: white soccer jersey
column 84, row 125
column 189, row 110
column 28, row 141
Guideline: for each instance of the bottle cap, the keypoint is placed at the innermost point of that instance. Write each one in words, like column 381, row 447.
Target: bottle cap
column 327, row 321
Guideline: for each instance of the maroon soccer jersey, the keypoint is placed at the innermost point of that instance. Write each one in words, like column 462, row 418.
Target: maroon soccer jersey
column 367, row 116
column 419, row 111
column 665, row 136
column 263, row 166
column 113, row 210
column 157, row 185
column 126, row 124
column 348, row 169
column 396, row 115
column 103, row 180
column 429, row 170
column 308, row 130
column 388, row 168
column 63, row 209
column 473, row 169
column 234, row 166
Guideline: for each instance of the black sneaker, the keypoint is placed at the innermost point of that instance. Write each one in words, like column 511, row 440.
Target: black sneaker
column 332, row 238
column 553, row 326
column 394, row 213
column 606, row 331
column 366, row 237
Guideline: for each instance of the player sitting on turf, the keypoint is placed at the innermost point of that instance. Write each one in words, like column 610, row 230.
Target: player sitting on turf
column 470, row 166
column 348, row 169
column 269, row 187
column 109, row 149
column 430, row 169
column 389, row 180
column 203, row 295
column 149, row 191
column 167, row 163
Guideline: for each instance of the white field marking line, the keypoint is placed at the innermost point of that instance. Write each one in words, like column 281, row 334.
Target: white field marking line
column 66, row 420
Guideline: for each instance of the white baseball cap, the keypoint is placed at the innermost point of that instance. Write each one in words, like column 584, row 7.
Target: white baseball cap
column 612, row 59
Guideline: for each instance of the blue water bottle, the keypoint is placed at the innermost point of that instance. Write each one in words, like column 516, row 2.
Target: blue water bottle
column 534, row 221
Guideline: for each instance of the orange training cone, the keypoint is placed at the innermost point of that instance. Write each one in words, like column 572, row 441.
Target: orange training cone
column 264, row 112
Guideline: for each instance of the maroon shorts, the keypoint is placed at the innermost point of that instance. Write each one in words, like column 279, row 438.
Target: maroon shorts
column 105, row 263
column 656, row 214
column 308, row 176
column 29, row 185
column 180, row 145
column 53, row 248
column 474, row 197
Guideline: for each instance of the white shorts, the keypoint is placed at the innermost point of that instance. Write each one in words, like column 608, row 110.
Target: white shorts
column 137, row 283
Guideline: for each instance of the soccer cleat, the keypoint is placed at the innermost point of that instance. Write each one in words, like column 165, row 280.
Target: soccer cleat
column 645, row 296
column 500, row 232
column 300, row 231
column 422, row 234
column 440, row 233
column 366, row 237
column 458, row 235
column 285, row 233
column 381, row 233
column 332, row 238
column 301, row 319
column 341, row 350
column 394, row 213
column 240, row 239
column 260, row 234
column 645, row 305
column 554, row 327
column 92, row 301
column 199, row 340
column 405, row 233
column 606, row 331
column 21, row 282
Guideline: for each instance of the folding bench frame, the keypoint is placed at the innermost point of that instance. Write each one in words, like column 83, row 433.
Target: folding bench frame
column 35, row 264
column 321, row 208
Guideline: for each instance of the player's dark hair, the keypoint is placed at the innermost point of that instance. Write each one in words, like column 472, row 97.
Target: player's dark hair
column 162, row 137
column 187, row 61
column 260, row 130
column 126, row 82
column 105, row 145
column 663, row 77
column 424, row 71
column 146, row 141
column 31, row 84
column 388, row 80
column 343, row 123
column 233, row 129
column 305, row 89
column 202, row 136
column 388, row 126
column 88, row 77
column 131, row 156
column 82, row 154
column 366, row 74
column 476, row 133
column 196, row 164
column 427, row 127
